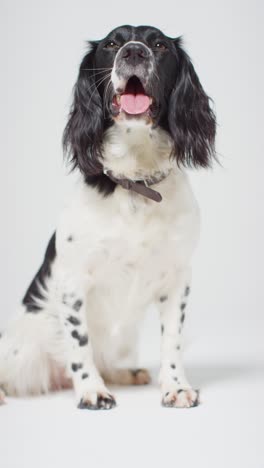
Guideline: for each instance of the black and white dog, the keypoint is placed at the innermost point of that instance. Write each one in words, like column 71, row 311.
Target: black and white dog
column 126, row 239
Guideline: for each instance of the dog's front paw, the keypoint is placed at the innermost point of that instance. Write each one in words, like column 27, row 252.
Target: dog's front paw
column 181, row 398
column 97, row 401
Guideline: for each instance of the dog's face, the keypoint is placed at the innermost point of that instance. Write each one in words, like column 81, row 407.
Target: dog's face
column 141, row 70
column 139, row 73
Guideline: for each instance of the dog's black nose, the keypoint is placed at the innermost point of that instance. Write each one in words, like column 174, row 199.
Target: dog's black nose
column 134, row 54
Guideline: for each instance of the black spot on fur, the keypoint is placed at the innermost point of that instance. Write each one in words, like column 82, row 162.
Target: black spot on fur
column 166, row 394
column 44, row 272
column 163, row 298
column 83, row 339
column 175, row 378
column 74, row 320
column 70, row 239
column 162, row 329
column 75, row 334
column 187, row 291
column 85, row 375
column 178, row 347
column 173, row 366
column 180, row 390
column 183, row 305
column 76, row 366
column 77, row 305
column 182, row 317
column 128, row 130
column 15, row 352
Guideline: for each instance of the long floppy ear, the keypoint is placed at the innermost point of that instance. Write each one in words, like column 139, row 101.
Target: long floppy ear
column 192, row 122
column 82, row 136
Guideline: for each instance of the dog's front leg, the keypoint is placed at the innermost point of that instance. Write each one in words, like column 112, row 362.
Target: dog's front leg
column 89, row 386
column 176, row 391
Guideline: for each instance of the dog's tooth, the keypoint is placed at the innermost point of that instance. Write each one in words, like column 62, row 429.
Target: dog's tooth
column 118, row 98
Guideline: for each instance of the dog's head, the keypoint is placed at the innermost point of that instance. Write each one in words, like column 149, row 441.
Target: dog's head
column 138, row 72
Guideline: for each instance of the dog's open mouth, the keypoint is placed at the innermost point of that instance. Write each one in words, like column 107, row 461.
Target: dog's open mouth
column 134, row 100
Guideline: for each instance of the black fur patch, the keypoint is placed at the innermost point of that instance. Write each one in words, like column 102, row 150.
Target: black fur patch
column 74, row 320
column 85, row 375
column 104, row 185
column 70, row 239
column 76, row 366
column 183, row 305
column 163, row 298
column 182, row 317
column 162, row 329
column 187, row 291
column 77, row 305
column 173, row 366
column 44, row 272
column 83, row 339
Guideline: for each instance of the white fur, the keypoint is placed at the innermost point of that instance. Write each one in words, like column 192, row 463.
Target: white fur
column 127, row 251
column 118, row 81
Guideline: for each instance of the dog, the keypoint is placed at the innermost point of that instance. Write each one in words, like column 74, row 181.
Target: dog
column 139, row 117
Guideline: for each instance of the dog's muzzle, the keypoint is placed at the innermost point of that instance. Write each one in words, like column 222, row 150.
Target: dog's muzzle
column 133, row 68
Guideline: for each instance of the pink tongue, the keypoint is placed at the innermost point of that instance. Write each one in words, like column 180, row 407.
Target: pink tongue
column 135, row 103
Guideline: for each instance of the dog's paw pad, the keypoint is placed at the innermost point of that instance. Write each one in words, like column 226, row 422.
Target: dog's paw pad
column 140, row 377
column 97, row 401
column 181, row 398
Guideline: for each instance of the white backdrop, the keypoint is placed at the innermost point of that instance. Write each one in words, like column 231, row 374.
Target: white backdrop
column 41, row 47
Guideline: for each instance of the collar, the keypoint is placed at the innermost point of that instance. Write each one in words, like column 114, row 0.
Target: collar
column 140, row 186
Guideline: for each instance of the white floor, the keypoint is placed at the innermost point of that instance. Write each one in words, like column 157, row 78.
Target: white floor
column 225, row 431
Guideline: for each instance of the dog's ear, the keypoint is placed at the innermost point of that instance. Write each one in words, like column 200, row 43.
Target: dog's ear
column 192, row 122
column 82, row 138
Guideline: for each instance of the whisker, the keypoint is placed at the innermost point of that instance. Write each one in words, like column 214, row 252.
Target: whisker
column 89, row 69
column 95, row 85
column 107, row 89
column 100, row 80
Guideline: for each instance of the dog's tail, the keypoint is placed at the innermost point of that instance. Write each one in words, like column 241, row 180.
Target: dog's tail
column 26, row 356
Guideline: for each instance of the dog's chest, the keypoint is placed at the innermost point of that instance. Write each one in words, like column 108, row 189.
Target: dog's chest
column 127, row 250
column 132, row 265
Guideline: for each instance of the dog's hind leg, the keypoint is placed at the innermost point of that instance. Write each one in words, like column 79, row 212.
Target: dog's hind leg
column 30, row 356
column 127, row 376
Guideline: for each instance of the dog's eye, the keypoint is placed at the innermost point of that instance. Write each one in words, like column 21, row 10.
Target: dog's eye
column 111, row 45
column 160, row 45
